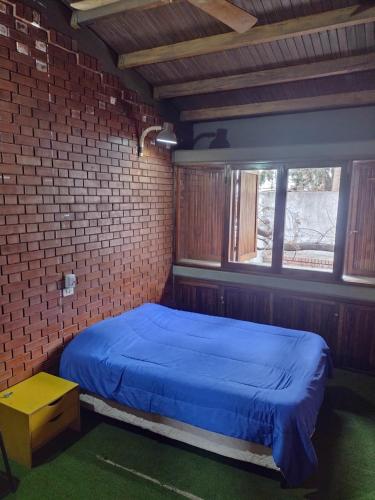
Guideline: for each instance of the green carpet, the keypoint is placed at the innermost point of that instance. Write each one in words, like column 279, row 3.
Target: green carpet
column 72, row 468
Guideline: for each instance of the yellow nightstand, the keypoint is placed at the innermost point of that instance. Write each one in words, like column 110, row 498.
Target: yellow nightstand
column 35, row 411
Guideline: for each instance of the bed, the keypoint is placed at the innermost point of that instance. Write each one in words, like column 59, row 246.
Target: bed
column 252, row 388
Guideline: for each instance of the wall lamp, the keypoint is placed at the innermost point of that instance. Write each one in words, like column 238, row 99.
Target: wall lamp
column 165, row 136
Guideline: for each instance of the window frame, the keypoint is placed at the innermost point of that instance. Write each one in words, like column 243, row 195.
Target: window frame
column 340, row 230
column 226, row 264
column 276, row 268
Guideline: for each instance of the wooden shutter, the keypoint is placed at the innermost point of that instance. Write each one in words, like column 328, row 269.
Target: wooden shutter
column 200, row 212
column 244, row 219
column 360, row 248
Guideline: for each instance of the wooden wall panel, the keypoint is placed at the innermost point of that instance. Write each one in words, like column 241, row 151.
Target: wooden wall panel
column 357, row 340
column 200, row 212
column 244, row 223
column 198, row 297
column 360, row 250
column 348, row 328
column 308, row 314
column 247, row 304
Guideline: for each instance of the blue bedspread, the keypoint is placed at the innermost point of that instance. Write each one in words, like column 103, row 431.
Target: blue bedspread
column 246, row 380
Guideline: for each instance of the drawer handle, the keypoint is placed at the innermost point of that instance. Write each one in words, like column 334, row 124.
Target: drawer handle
column 55, row 402
column 56, row 418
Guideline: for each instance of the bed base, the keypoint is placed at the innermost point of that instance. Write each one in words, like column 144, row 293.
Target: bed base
column 210, row 441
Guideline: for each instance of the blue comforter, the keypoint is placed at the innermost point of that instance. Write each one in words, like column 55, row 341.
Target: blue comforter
column 250, row 381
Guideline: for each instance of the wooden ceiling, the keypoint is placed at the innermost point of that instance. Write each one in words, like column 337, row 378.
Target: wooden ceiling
column 175, row 46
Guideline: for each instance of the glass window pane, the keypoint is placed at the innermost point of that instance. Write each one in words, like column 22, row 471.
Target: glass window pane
column 253, row 194
column 310, row 218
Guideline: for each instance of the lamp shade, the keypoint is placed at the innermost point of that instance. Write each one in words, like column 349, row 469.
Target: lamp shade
column 166, row 135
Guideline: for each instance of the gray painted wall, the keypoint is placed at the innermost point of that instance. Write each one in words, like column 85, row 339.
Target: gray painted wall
column 317, row 127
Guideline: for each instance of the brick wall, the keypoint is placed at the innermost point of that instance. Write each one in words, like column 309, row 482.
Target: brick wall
column 74, row 197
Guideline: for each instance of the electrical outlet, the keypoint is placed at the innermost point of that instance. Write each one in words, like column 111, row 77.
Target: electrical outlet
column 68, row 291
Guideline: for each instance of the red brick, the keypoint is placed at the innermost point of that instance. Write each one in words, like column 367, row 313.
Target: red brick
column 77, row 199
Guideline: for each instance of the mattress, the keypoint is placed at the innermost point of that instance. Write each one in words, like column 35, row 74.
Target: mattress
column 245, row 380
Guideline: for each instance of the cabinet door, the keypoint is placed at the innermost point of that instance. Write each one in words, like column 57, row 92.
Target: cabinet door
column 360, row 247
column 308, row 314
column 197, row 297
column 247, row 304
column 357, row 339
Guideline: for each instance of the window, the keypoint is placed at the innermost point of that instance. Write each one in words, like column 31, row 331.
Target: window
column 310, row 218
column 200, row 215
column 252, row 216
column 264, row 217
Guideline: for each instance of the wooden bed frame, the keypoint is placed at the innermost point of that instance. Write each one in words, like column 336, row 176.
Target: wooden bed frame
column 238, row 449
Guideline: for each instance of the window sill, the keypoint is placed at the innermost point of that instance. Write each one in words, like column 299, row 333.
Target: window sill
column 358, row 280
column 198, row 263
column 306, row 276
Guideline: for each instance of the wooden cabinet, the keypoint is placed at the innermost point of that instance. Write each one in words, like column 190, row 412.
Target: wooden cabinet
column 197, row 297
column 348, row 328
column 247, row 304
column 308, row 314
column 357, row 337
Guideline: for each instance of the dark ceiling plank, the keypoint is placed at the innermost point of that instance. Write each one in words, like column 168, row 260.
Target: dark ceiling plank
column 238, row 19
column 268, row 77
column 348, row 99
column 82, row 17
column 315, row 23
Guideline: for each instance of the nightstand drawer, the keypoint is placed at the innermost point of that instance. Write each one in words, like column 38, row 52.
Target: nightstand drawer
column 45, row 414
column 36, row 410
column 53, row 426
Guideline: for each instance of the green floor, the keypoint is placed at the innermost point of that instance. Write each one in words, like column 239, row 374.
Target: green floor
column 73, row 469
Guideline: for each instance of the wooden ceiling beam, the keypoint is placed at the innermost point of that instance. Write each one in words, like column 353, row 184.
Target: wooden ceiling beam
column 82, row 17
column 315, row 23
column 90, row 4
column 341, row 66
column 236, row 18
column 284, row 106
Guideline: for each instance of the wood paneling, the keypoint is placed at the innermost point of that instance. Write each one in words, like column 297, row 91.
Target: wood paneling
column 200, row 211
column 360, row 251
column 136, row 30
column 357, row 342
column 260, row 57
column 198, row 297
column 282, row 106
column 229, row 14
column 247, row 304
column 101, row 10
column 308, row 314
column 315, row 23
column 348, row 328
column 284, row 74
column 244, row 216
column 178, row 22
